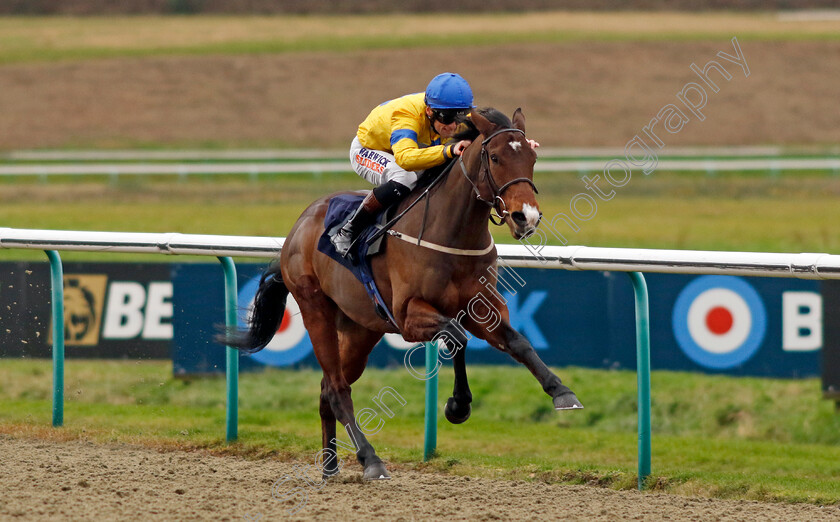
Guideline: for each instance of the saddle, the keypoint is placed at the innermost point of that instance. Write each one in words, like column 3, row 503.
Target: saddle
column 357, row 261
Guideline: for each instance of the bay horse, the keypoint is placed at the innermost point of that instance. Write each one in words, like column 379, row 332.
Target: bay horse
column 426, row 286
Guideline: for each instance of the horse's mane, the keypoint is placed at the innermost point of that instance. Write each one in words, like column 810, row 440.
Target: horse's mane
column 494, row 115
column 468, row 132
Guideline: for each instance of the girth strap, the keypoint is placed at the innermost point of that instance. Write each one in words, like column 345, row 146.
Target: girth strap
column 441, row 248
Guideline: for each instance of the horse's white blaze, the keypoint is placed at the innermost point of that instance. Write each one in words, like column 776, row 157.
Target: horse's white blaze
column 532, row 215
column 515, row 145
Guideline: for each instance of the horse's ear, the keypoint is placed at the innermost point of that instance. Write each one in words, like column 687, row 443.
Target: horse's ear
column 484, row 126
column 519, row 120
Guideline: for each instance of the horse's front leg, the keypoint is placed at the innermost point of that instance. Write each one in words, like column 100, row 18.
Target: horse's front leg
column 505, row 338
column 458, row 408
column 423, row 322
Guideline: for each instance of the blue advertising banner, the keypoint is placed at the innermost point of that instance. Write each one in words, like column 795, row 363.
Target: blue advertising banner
column 831, row 341
column 714, row 324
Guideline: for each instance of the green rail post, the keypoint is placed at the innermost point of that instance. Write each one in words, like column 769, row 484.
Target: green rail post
column 642, row 372
column 430, row 443
column 231, row 355
column 57, row 288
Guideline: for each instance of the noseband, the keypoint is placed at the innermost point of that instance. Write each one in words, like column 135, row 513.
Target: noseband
column 485, row 174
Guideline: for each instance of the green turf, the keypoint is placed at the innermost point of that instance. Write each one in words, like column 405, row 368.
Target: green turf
column 788, row 213
column 764, row 439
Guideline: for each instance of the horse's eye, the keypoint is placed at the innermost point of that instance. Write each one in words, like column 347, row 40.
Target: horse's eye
column 494, row 158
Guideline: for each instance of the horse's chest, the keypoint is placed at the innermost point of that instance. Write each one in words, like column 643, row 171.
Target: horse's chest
column 449, row 290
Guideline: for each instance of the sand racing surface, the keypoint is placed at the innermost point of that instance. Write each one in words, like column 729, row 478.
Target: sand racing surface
column 75, row 480
column 583, row 94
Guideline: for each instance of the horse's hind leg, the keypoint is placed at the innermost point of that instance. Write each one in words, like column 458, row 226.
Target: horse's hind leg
column 330, row 465
column 355, row 344
column 319, row 316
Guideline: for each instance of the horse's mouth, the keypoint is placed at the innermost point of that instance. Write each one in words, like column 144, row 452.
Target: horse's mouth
column 524, row 222
column 524, row 232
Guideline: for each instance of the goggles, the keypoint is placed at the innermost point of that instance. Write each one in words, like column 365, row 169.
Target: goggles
column 448, row 116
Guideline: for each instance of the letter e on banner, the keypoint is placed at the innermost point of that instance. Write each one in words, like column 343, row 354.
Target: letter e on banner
column 158, row 308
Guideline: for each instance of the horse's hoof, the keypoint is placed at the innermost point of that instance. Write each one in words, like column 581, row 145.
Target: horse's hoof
column 567, row 401
column 453, row 415
column 376, row 471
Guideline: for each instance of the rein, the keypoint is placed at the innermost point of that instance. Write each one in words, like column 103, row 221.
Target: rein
column 496, row 203
column 399, row 216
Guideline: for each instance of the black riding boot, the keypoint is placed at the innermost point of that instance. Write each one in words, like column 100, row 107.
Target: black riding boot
column 362, row 218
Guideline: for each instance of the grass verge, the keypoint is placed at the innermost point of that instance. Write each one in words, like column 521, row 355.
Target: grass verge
column 760, row 439
column 790, row 213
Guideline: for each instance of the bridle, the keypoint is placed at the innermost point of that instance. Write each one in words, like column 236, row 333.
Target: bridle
column 486, row 175
column 497, row 203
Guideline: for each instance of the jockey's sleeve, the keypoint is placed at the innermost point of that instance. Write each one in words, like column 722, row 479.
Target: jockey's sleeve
column 412, row 145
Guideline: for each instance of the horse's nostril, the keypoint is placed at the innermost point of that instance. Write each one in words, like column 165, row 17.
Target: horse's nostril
column 519, row 218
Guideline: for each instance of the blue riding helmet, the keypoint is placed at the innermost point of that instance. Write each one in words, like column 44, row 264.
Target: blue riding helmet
column 449, row 91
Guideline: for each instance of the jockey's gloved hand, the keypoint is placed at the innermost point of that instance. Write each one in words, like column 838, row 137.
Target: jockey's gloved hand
column 457, row 148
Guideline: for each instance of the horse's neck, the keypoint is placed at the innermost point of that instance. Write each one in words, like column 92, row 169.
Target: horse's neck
column 455, row 217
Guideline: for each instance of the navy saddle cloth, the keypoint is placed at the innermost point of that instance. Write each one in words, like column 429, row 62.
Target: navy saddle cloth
column 358, row 260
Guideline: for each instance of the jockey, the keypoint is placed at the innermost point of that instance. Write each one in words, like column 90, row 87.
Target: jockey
column 398, row 141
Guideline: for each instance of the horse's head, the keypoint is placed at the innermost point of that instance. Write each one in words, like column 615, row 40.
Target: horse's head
column 506, row 173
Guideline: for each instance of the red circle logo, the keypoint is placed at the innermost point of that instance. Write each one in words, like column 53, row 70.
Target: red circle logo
column 285, row 322
column 719, row 320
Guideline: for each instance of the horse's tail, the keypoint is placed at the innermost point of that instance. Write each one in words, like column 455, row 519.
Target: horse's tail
column 265, row 317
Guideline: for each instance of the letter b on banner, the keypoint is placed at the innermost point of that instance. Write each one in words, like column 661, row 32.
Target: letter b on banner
column 801, row 321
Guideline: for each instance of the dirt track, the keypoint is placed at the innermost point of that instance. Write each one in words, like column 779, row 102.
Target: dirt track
column 575, row 94
column 44, row 480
